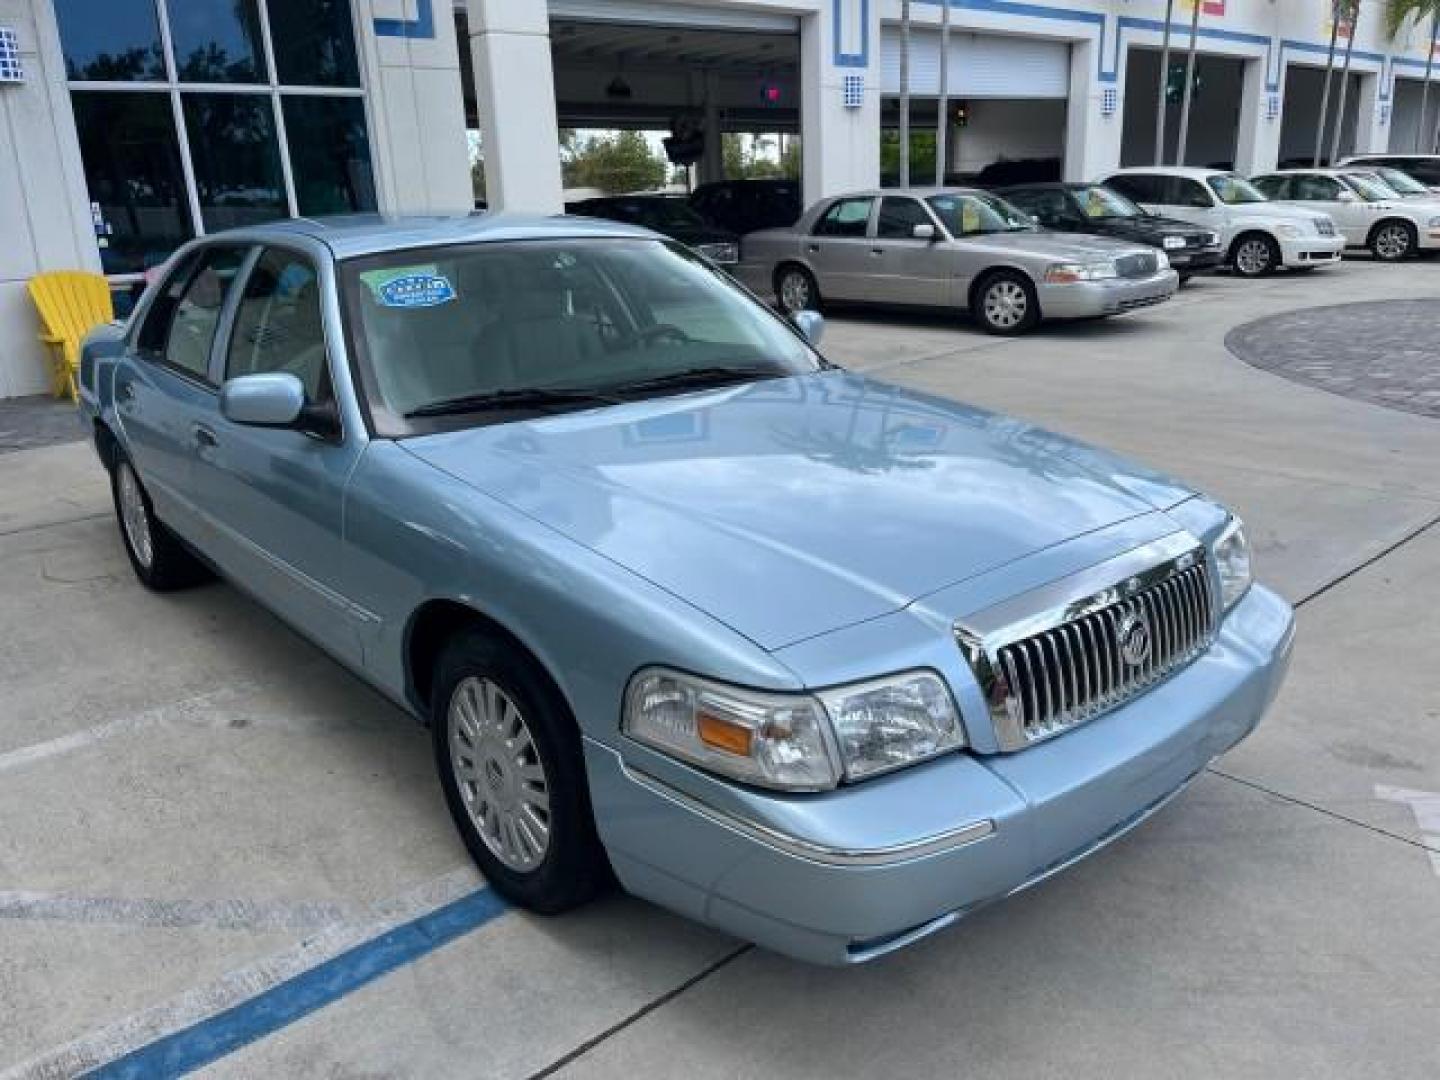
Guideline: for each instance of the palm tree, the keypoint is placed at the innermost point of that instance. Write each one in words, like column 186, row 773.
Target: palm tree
column 1397, row 12
column 1189, row 83
column 1354, row 6
column 1336, row 6
column 1164, row 85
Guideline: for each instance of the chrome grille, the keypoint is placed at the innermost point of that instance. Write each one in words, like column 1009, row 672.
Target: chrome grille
column 1046, row 671
column 1141, row 265
column 1324, row 226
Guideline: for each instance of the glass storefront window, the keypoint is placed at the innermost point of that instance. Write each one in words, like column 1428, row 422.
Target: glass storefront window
column 236, row 159
column 329, row 154
column 217, row 41
column 111, row 40
column 314, row 42
column 132, row 170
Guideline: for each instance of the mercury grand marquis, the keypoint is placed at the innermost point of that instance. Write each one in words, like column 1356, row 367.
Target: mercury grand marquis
column 818, row 660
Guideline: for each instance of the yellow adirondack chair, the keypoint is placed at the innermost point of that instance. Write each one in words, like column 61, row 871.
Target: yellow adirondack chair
column 71, row 303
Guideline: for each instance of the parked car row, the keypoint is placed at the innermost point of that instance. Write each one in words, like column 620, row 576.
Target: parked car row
column 1023, row 253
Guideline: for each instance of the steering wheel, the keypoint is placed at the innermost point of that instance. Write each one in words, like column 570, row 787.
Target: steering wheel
column 661, row 332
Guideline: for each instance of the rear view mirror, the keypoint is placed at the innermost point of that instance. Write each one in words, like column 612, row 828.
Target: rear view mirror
column 923, row 231
column 276, row 399
column 811, row 324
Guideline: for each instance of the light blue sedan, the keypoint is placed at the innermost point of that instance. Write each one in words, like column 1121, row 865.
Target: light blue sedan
column 812, row 658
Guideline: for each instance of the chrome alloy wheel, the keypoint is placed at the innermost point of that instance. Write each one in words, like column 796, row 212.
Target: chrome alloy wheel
column 498, row 772
column 1005, row 304
column 795, row 292
column 134, row 517
column 1253, row 257
column 1392, row 242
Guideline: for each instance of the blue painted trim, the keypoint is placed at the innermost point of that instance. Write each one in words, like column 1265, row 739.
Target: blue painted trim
column 841, row 57
column 282, row 1005
column 422, row 26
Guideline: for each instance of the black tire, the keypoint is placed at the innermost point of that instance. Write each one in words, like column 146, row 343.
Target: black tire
column 1255, row 255
column 1005, row 303
column 802, row 294
column 1393, row 240
column 573, row 867
column 160, row 560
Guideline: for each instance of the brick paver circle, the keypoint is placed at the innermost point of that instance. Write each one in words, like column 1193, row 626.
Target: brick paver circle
column 1386, row 352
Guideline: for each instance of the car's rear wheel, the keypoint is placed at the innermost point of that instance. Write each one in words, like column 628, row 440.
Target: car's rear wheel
column 159, row 559
column 1006, row 304
column 796, row 290
column 1255, row 255
column 508, row 753
column 1392, row 241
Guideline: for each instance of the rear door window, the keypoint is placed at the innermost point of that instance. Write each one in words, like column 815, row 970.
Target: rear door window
column 1141, row 187
column 845, row 217
column 180, row 329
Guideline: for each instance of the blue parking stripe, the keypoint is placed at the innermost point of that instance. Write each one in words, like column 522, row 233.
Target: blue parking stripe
column 283, row 1004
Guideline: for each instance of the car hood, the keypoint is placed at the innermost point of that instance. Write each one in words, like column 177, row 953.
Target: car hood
column 1051, row 245
column 791, row 507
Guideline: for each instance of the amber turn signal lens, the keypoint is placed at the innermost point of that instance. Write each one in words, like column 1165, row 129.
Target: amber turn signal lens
column 722, row 734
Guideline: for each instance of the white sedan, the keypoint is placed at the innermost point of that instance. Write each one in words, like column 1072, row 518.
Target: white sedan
column 1368, row 213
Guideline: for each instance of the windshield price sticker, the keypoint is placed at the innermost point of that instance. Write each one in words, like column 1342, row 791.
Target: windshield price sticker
column 411, row 287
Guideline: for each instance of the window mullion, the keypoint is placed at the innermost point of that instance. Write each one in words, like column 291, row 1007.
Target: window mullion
column 277, row 105
column 182, row 132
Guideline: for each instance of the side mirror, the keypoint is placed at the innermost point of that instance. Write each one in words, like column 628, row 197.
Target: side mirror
column 923, row 231
column 1347, row 196
column 275, row 399
column 811, row 324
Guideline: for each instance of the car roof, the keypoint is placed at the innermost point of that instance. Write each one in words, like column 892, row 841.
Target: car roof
column 1195, row 172
column 352, row 235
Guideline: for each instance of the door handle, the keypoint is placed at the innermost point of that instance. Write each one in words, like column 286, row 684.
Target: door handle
column 204, row 437
column 812, row 248
column 877, row 251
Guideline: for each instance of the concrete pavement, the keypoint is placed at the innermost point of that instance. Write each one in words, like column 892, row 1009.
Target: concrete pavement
column 198, row 805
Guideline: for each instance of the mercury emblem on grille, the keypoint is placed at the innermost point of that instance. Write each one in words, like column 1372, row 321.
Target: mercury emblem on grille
column 1133, row 635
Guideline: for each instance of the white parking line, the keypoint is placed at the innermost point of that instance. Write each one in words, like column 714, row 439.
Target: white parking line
column 1426, row 807
column 124, row 725
column 30, row 905
column 140, row 1029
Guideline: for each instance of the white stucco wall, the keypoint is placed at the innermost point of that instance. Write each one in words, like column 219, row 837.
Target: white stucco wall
column 44, row 215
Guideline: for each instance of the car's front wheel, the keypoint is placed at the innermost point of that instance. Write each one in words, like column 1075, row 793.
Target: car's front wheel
column 159, row 559
column 508, row 752
column 1256, row 255
column 1006, row 304
column 796, row 290
column 1393, row 240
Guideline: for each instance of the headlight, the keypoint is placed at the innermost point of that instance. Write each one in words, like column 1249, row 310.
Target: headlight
column 1212, row 239
column 1171, row 243
column 1289, row 231
column 1069, row 273
column 1232, row 562
column 1162, row 261
column 892, row 722
column 793, row 742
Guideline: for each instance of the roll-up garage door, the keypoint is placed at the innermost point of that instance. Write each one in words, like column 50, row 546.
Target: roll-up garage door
column 645, row 12
column 981, row 65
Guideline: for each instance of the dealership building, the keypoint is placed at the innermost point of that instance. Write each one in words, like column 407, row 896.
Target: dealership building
column 129, row 126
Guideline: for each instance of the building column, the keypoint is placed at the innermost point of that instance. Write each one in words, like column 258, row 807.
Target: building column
column 712, row 160
column 1257, row 147
column 515, row 93
column 1372, row 117
column 1092, row 138
column 840, row 143
column 417, row 110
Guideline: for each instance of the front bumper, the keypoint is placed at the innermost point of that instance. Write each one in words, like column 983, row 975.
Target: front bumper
column 1088, row 299
column 1196, row 261
column 1311, row 250
column 855, row 873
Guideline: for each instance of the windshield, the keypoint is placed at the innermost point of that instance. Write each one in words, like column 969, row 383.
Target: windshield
column 585, row 318
column 976, row 213
column 1401, row 181
column 1369, row 188
column 1233, row 190
column 1100, row 202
